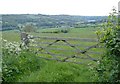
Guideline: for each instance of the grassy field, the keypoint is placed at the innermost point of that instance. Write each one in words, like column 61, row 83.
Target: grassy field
column 11, row 36
column 74, row 32
column 54, row 71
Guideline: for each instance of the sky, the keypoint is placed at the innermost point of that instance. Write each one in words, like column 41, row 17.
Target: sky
column 56, row 7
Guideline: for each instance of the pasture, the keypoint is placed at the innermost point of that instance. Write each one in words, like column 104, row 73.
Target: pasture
column 54, row 71
column 14, row 35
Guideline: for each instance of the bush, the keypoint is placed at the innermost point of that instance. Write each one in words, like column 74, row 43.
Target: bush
column 109, row 68
column 28, row 28
column 15, row 64
column 57, row 31
column 106, row 69
column 64, row 30
column 52, row 31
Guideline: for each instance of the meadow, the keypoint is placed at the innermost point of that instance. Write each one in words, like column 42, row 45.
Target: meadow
column 41, row 70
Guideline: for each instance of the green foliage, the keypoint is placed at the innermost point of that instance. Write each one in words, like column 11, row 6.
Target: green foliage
column 110, row 35
column 16, row 65
column 65, row 30
column 27, row 28
column 108, row 68
column 51, row 30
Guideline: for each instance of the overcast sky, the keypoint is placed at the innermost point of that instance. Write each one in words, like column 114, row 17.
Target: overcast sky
column 53, row 7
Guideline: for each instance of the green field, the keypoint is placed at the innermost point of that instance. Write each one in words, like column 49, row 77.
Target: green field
column 74, row 32
column 53, row 71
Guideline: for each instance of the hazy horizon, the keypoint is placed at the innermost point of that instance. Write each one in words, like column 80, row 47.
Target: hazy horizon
column 58, row 7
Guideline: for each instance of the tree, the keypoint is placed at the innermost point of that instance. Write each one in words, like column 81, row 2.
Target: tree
column 29, row 28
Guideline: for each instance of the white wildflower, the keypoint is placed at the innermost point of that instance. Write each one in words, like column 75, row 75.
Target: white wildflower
column 30, row 36
column 98, row 62
column 4, row 40
column 32, row 40
column 12, row 47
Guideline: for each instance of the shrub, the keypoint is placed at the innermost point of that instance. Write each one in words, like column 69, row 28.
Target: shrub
column 64, row 30
column 57, row 31
column 16, row 64
column 108, row 69
column 28, row 28
column 52, row 31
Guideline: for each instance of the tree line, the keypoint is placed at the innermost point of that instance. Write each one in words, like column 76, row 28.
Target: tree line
column 11, row 21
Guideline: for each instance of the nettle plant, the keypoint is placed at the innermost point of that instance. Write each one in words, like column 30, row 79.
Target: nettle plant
column 108, row 68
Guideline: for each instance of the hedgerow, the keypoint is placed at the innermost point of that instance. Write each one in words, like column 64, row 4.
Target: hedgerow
column 108, row 70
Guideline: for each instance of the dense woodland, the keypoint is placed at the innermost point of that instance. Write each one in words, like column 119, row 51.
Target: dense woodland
column 12, row 21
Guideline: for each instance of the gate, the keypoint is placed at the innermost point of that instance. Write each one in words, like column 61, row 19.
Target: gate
column 74, row 50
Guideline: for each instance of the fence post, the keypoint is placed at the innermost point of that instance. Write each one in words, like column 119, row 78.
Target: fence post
column 24, row 38
column 119, row 13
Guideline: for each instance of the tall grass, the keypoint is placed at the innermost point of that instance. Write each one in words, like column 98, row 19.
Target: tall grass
column 59, row 72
